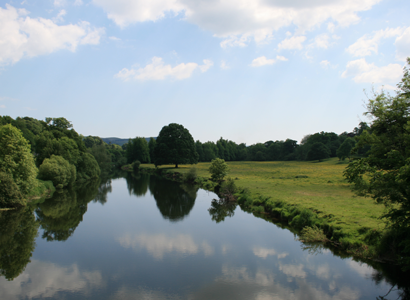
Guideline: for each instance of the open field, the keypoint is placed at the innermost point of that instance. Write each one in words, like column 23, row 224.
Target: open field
column 323, row 190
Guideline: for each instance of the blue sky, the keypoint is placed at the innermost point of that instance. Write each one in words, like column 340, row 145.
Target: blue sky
column 245, row 70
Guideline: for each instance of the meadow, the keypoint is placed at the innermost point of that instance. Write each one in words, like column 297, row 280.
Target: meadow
column 318, row 187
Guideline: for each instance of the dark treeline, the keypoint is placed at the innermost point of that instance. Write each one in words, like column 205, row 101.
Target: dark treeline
column 312, row 147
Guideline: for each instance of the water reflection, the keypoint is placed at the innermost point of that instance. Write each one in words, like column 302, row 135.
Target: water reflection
column 220, row 209
column 174, row 201
column 137, row 183
column 45, row 280
column 158, row 245
column 18, row 230
column 61, row 214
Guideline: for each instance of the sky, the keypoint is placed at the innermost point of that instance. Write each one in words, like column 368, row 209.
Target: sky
column 246, row 70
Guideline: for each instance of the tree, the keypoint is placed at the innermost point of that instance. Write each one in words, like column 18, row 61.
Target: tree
column 151, row 146
column 218, row 169
column 384, row 174
column 137, row 149
column 175, row 145
column 318, row 151
column 58, row 170
column 16, row 159
column 345, row 148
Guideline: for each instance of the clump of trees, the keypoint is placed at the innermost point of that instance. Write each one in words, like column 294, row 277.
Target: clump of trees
column 17, row 168
column 384, row 174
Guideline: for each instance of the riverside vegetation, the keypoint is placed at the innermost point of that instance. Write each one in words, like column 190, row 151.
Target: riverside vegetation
column 315, row 195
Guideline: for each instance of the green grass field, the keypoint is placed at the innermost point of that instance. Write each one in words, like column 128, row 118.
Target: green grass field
column 323, row 190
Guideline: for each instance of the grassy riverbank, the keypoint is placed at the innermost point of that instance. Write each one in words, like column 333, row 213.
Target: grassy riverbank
column 287, row 189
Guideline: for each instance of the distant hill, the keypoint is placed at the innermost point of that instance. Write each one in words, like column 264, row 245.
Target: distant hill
column 118, row 141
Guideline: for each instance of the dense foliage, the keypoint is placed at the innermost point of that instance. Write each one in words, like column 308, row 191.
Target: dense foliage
column 385, row 173
column 16, row 159
column 218, row 169
column 175, row 145
column 57, row 170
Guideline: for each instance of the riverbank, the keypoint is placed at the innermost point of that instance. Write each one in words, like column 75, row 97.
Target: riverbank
column 306, row 194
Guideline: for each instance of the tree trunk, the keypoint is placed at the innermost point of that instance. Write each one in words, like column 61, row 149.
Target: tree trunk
column 176, row 165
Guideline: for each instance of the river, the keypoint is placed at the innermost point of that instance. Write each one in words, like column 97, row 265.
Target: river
column 148, row 238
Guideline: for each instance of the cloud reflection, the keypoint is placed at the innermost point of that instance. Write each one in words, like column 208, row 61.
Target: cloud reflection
column 45, row 279
column 158, row 245
column 265, row 252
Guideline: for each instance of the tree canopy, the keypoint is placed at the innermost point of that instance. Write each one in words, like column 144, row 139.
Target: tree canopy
column 175, row 145
column 385, row 173
column 16, row 159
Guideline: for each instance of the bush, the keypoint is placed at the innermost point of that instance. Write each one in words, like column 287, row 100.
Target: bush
column 136, row 166
column 191, row 175
column 10, row 195
column 228, row 189
column 218, row 169
column 57, row 170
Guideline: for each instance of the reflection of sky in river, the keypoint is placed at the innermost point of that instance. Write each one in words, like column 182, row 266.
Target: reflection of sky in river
column 125, row 249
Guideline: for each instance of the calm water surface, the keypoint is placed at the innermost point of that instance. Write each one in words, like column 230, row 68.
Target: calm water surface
column 147, row 238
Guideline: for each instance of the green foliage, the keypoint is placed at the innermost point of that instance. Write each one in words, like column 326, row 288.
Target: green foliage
column 137, row 149
column 87, row 167
column 318, row 151
column 151, row 146
column 57, row 170
column 228, row 189
column 191, row 175
column 10, row 196
column 16, row 159
column 312, row 234
column 385, row 173
column 102, row 157
column 345, row 148
column 220, row 209
column 136, row 166
column 175, row 145
column 218, row 169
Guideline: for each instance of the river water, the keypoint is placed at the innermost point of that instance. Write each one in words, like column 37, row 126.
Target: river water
column 148, row 238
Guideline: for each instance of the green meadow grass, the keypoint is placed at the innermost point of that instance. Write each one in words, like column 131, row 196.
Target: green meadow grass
column 316, row 186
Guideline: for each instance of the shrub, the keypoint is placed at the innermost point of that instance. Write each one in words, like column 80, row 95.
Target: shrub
column 312, row 234
column 228, row 189
column 10, row 195
column 191, row 175
column 218, row 169
column 136, row 166
column 57, row 170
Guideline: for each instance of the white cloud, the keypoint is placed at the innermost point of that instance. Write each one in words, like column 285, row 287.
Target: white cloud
column 361, row 71
column 78, row 2
column 59, row 17
column 59, row 3
column 157, row 70
column 224, row 66
column 262, row 61
column 239, row 22
column 293, row 270
column 325, row 64
column 403, row 45
column 294, row 42
column 22, row 36
column 2, row 106
column 282, row 58
column 114, row 38
column 158, row 245
column 321, row 41
column 207, row 64
column 369, row 44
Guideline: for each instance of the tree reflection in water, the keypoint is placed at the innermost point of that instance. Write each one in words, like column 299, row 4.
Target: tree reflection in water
column 137, row 184
column 60, row 215
column 18, row 230
column 220, row 209
column 174, row 201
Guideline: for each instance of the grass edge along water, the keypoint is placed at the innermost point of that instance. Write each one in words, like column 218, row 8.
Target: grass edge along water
column 313, row 194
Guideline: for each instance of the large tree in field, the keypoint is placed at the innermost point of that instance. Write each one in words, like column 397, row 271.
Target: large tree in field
column 385, row 173
column 175, row 145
